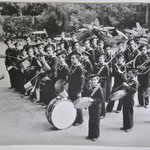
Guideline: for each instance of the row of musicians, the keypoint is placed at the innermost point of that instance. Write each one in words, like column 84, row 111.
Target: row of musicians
column 59, row 69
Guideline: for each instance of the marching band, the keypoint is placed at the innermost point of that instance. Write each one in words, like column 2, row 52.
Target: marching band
column 34, row 70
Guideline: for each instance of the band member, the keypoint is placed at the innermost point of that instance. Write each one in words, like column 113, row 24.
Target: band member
column 87, row 64
column 63, row 69
column 69, row 51
column 76, row 83
column 131, row 87
column 63, row 40
column 121, row 47
column 22, row 57
column 96, row 93
column 95, row 48
column 91, row 51
column 101, row 46
column 109, row 61
column 18, row 49
column 62, row 47
column 49, row 41
column 148, row 56
column 77, row 47
column 142, row 63
column 103, row 71
column 28, row 43
column 117, row 72
column 47, row 85
column 131, row 52
column 41, row 50
column 32, row 71
column 107, row 52
column 74, row 40
column 36, row 51
column 52, row 62
column 10, row 62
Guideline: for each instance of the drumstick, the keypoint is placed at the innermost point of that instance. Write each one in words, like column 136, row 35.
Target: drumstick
column 4, row 56
column 118, row 87
column 34, row 77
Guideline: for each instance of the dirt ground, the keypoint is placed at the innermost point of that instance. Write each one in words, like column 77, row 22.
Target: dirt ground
column 24, row 123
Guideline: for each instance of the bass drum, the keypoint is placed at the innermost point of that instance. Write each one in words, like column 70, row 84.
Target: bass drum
column 61, row 113
column 118, row 95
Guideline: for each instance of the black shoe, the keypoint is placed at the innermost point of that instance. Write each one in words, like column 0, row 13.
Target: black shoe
column 118, row 111
column 11, row 87
column 122, row 128
column 128, row 130
column 87, row 137
column 102, row 117
column 94, row 139
column 146, row 106
column 139, row 106
column 77, row 123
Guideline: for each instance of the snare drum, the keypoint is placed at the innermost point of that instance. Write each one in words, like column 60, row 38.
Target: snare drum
column 83, row 102
column 61, row 113
column 118, row 95
column 60, row 85
column 25, row 64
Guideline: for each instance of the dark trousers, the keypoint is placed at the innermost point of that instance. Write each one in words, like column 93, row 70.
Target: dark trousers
column 128, row 113
column 21, row 81
column 94, row 121
column 104, row 87
column 108, row 89
column 143, row 87
column 143, row 101
column 73, row 96
column 47, row 92
column 13, row 77
column 79, row 118
column 110, row 105
column 103, row 111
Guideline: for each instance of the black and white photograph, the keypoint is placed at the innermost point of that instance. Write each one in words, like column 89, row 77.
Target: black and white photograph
column 75, row 73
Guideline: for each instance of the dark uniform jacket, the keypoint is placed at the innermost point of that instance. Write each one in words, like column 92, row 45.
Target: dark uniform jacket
column 88, row 68
column 129, row 55
column 103, row 72
column 118, row 77
column 10, row 61
column 97, row 97
column 62, row 72
column 53, row 63
column 76, row 81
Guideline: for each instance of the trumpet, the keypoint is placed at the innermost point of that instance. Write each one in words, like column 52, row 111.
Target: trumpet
column 43, row 63
column 113, row 58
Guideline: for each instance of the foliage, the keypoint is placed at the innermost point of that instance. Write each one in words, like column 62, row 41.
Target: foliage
column 21, row 18
column 17, row 26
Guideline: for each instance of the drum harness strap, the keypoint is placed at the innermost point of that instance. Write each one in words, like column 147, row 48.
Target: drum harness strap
column 95, row 89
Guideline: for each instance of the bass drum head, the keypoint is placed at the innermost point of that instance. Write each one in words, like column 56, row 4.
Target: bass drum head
column 118, row 95
column 63, row 114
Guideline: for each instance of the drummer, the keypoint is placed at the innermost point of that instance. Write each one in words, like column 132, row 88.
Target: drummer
column 102, row 70
column 95, row 92
column 143, row 78
column 76, row 83
column 62, row 69
column 131, row 87
column 118, row 71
